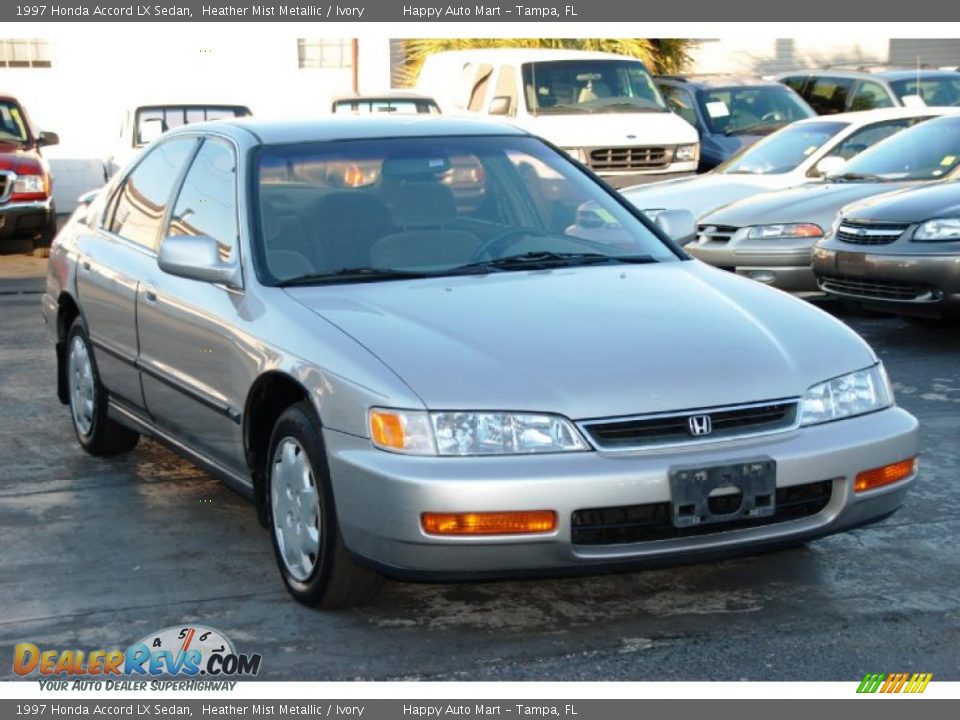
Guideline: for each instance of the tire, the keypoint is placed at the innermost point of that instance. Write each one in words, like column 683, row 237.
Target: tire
column 96, row 432
column 319, row 572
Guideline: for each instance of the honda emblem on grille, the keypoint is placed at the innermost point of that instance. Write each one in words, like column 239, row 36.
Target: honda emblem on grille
column 700, row 424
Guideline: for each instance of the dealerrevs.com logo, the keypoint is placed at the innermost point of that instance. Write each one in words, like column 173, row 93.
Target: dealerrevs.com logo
column 888, row 683
column 181, row 651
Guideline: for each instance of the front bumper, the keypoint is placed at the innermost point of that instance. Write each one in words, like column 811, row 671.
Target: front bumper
column 25, row 220
column 925, row 285
column 783, row 264
column 380, row 497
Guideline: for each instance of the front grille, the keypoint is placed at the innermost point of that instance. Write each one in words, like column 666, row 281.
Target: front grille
column 676, row 428
column 858, row 233
column 879, row 289
column 716, row 233
column 6, row 185
column 643, row 523
column 630, row 158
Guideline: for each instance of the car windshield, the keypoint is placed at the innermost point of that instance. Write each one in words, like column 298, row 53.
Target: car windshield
column 154, row 120
column 928, row 151
column 398, row 106
column 784, row 150
column 561, row 87
column 367, row 210
column 13, row 127
column 756, row 110
column 937, row 91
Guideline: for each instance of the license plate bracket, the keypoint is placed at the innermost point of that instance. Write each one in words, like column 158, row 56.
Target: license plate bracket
column 706, row 494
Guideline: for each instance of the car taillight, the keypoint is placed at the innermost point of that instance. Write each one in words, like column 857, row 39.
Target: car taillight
column 30, row 187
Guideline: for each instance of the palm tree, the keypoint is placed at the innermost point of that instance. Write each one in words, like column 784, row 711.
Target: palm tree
column 659, row 55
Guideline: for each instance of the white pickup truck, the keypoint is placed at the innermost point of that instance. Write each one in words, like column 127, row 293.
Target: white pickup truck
column 603, row 109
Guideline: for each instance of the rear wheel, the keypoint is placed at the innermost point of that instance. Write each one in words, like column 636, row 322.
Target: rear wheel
column 96, row 432
column 316, row 567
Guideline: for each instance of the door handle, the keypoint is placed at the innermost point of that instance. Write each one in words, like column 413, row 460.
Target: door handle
column 149, row 293
column 85, row 264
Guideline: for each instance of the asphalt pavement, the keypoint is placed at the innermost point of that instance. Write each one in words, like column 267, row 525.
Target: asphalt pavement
column 99, row 553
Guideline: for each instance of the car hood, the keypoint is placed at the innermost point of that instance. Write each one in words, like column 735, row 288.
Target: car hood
column 592, row 342
column 924, row 203
column 611, row 129
column 702, row 194
column 814, row 203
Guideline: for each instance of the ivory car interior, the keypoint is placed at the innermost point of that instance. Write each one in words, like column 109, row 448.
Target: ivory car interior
column 409, row 344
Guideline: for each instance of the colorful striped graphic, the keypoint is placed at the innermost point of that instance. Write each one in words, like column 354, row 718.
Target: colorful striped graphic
column 894, row 682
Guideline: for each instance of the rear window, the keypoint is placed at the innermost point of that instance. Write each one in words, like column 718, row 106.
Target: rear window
column 174, row 116
column 935, row 91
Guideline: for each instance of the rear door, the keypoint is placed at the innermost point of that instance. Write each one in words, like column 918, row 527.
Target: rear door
column 116, row 255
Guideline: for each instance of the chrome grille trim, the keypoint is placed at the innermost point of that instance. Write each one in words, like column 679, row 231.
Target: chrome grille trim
column 878, row 289
column 6, row 184
column 661, row 430
column 629, row 157
column 861, row 233
column 720, row 234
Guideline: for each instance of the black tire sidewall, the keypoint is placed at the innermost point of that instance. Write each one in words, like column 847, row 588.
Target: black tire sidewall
column 300, row 423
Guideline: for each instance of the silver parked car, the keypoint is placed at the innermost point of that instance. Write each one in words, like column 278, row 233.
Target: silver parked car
column 770, row 237
column 437, row 375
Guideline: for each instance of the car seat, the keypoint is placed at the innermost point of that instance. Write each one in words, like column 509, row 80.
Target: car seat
column 347, row 225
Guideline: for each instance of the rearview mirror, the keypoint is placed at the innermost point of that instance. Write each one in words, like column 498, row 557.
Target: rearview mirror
column 830, row 165
column 88, row 197
column 47, row 138
column 197, row 257
column 499, row 106
column 679, row 225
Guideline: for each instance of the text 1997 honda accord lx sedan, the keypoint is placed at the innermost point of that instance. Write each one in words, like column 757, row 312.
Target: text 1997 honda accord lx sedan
column 437, row 378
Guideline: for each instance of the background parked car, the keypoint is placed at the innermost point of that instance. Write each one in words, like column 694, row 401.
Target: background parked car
column 897, row 252
column 865, row 88
column 797, row 154
column 730, row 113
column 145, row 123
column 27, row 212
column 770, row 237
column 603, row 109
column 400, row 103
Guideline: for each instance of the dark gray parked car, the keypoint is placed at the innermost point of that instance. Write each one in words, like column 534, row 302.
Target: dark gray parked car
column 898, row 252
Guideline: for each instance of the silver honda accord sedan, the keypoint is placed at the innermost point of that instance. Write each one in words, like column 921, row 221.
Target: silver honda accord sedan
column 410, row 345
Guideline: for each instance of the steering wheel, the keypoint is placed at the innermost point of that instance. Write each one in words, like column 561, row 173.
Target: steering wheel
column 772, row 116
column 502, row 241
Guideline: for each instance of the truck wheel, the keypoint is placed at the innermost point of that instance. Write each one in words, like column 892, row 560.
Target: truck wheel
column 316, row 567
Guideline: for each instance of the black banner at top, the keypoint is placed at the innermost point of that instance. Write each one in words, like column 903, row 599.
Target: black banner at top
column 418, row 11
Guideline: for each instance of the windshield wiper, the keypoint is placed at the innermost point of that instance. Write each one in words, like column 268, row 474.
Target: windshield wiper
column 757, row 128
column 856, row 177
column 546, row 259
column 362, row 274
column 630, row 106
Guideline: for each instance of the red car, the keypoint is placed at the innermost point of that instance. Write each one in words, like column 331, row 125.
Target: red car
column 26, row 201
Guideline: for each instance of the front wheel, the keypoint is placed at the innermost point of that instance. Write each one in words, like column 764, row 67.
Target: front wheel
column 97, row 433
column 316, row 567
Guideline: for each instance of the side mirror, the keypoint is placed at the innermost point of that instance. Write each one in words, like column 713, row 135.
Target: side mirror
column 151, row 129
column 88, row 197
column 48, row 138
column 197, row 257
column 499, row 106
column 679, row 225
column 830, row 165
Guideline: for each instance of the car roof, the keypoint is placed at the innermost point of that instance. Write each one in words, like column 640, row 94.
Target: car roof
column 517, row 55
column 350, row 127
column 882, row 72
column 862, row 117
column 390, row 95
column 711, row 82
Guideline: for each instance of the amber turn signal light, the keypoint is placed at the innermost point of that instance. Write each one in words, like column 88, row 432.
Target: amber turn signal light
column 489, row 523
column 878, row 477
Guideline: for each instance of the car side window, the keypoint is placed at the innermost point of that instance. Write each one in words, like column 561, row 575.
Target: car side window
column 870, row 95
column 828, row 95
column 680, row 102
column 141, row 202
column 478, row 91
column 868, row 136
column 207, row 203
column 795, row 83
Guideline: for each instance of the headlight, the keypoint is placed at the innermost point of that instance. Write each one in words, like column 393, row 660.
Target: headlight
column 687, row 153
column 29, row 184
column 577, row 153
column 417, row 432
column 789, row 230
column 846, row 396
column 940, row 229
